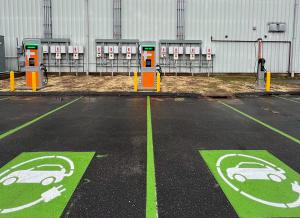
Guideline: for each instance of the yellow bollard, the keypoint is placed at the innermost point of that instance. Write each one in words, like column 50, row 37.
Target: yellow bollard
column 33, row 81
column 12, row 81
column 268, row 81
column 158, row 83
column 135, row 82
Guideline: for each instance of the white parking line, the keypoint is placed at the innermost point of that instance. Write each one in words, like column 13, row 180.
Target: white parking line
column 2, row 99
column 287, row 99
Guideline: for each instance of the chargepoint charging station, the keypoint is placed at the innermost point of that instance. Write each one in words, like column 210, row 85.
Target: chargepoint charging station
column 33, row 60
column 148, row 63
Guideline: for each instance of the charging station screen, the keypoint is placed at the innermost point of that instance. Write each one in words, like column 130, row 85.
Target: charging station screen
column 31, row 47
column 148, row 48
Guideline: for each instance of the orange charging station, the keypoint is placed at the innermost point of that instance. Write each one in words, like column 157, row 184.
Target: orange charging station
column 33, row 60
column 148, row 62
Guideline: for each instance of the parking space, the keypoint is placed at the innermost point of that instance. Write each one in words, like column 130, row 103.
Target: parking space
column 117, row 131
column 17, row 110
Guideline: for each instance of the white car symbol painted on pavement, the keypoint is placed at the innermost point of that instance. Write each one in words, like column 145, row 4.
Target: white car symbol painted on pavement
column 255, row 171
column 36, row 175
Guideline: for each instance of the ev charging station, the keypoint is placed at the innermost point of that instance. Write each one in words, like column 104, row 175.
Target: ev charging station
column 33, row 60
column 148, row 62
column 261, row 70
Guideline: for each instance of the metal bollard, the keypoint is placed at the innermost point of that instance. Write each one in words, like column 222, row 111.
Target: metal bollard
column 158, row 83
column 268, row 81
column 135, row 81
column 12, row 81
column 33, row 81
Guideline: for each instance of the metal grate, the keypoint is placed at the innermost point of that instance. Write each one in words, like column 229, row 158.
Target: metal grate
column 117, row 23
column 47, row 11
column 180, row 19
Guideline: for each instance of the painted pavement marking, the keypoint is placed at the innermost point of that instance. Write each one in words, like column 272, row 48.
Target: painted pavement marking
column 151, row 200
column 256, row 183
column 40, row 184
column 292, row 138
column 12, row 131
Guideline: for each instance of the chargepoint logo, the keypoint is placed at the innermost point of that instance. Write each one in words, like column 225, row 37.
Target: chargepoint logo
column 37, row 172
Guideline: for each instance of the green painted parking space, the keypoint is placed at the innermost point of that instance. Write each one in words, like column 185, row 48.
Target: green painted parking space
column 256, row 183
column 40, row 184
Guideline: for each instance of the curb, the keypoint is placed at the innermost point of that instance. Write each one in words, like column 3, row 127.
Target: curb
column 152, row 94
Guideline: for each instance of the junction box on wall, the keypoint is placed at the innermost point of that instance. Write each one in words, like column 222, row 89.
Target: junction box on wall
column 58, row 55
column 184, row 56
column 117, row 56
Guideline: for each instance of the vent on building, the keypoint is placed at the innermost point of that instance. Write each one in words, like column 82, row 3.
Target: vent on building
column 277, row 27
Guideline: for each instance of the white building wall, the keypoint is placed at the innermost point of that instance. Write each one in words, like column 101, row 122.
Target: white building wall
column 156, row 19
column 236, row 19
column 19, row 20
column 297, row 47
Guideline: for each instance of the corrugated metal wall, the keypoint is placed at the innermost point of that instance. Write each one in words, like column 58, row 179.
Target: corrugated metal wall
column 156, row 19
column 297, row 47
column 19, row 19
column 236, row 19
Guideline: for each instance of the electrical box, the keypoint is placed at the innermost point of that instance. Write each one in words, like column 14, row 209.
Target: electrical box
column 192, row 53
column 208, row 54
column 57, row 53
column 111, row 52
column 70, row 49
column 133, row 49
column 76, row 52
column 128, row 55
column 106, row 49
column 180, row 50
column 63, row 49
column 281, row 27
column 163, row 51
column 116, row 49
column 277, row 27
column 99, row 51
column 171, row 50
column 187, row 50
column 176, row 53
column 53, row 49
column 45, row 49
column 197, row 50
column 124, row 49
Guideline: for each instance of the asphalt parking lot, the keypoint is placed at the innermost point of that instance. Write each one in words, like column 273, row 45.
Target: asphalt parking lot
column 142, row 156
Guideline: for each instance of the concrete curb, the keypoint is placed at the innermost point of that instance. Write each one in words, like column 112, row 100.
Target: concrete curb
column 152, row 94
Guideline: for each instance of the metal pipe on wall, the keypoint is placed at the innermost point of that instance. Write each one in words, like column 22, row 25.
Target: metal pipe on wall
column 117, row 22
column 180, row 35
column 47, row 22
column 87, row 20
column 294, row 37
column 255, row 41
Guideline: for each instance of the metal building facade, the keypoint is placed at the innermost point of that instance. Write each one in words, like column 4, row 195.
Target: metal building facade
column 156, row 20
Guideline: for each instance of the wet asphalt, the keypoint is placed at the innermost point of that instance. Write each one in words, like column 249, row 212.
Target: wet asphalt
column 114, row 184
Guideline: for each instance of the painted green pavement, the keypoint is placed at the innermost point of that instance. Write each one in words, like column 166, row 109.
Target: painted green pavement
column 40, row 184
column 256, row 183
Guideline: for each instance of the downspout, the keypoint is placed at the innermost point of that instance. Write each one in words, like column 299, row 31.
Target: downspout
column 294, row 37
column 87, row 24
